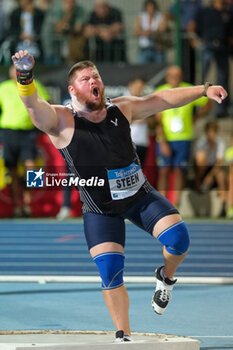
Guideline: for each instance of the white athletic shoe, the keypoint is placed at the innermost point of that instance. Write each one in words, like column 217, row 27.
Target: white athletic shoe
column 162, row 293
column 122, row 337
column 64, row 213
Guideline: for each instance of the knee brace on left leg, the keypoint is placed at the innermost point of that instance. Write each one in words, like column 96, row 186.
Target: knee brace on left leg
column 111, row 267
column 175, row 238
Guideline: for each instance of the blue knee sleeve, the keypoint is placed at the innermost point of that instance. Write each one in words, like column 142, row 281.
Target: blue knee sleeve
column 175, row 238
column 111, row 266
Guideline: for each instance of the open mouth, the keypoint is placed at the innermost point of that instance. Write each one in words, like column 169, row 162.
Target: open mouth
column 96, row 92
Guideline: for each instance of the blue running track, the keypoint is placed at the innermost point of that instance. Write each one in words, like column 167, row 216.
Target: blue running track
column 59, row 249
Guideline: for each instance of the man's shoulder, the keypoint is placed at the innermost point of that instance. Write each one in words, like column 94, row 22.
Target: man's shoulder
column 79, row 11
column 16, row 12
column 93, row 18
column 63, row 109
column 206, row 10
column 202, row 141
column 38, row 12
column 114, row 10
column 114, row 13
column 163, row 87
column 184, row 84
column 220, row 141
column 168, row 86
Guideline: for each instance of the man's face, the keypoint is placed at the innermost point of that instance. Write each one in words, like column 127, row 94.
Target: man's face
column 23, row 3
column 88, row 89
column 218, row 4
column 68, row 5
column 136, row 87
column 102, row 9
column 150, row 8
column 211, row 135
column 174, row 76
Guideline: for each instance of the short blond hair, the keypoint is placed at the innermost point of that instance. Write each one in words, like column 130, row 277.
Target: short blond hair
column 77, row 67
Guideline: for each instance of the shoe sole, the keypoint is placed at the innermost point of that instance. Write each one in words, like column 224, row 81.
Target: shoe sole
column 157, row 309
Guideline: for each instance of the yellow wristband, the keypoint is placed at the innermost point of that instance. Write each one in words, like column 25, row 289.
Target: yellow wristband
column 26, row 90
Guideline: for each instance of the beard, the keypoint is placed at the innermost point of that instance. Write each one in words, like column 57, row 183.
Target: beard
column 92, row 106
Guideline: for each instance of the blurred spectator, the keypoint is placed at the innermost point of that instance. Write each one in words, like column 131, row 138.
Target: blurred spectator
column 69, row 25
column 18, row 138
column 43, row 4
column 229, row 6
column 2, row 21
column 9, row 5
column 139, row 128
column 149, row 27
column 213, row 25
column 209, row 157
column 6, row 7
column 188, row 10
column 229, row 161
column 105, row 29
column 175, row 135
column 25, row 27
column 49, row 39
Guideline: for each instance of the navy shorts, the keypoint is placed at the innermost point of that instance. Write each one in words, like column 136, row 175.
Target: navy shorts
column 145, row 214
column 180, row 156
column 18, row 144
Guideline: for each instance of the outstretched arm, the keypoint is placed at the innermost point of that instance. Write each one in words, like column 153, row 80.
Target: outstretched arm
column 43, row 115
column 143, row 107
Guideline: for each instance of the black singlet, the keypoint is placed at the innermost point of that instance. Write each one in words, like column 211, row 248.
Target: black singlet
column 98, row 148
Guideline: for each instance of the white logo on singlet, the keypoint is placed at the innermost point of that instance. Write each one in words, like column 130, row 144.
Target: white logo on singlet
column 114, row 122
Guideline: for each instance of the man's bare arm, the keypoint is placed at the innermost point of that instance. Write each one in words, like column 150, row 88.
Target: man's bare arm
column 143, row 107
column 43, row 115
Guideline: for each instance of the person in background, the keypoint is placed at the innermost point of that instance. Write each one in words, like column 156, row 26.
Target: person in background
column 209, row 159
column 2, row 21
column 149, row 26
column 188, row 10
column 105, row 27
column 175, row 134
column 6, row 7
column 229, row 161
column 43, row 4
column 139, row 128
column 50, row 40
column 24, row 29
column 69, row 27
column 213, row 26
column 18, row 139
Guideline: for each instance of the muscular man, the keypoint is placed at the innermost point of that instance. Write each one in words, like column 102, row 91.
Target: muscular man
column 93, row 135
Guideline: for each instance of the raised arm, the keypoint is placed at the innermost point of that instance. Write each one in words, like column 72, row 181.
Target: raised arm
column 43, row 115
column 143, row 107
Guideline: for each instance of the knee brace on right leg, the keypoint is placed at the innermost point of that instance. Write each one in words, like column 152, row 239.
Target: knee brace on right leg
column 175, row 238
column 111, row 267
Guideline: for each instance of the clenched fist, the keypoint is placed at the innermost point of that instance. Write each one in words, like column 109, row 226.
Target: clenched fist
column 217, row 93
column 23, row 60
